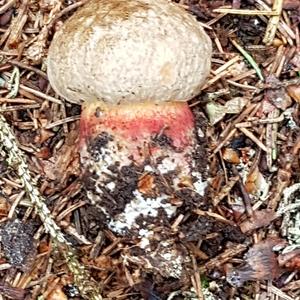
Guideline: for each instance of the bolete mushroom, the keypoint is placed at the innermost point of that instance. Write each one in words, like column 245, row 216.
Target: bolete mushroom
column 134, row 64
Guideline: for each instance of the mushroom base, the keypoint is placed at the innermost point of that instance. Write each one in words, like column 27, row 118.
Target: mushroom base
column 141, row 167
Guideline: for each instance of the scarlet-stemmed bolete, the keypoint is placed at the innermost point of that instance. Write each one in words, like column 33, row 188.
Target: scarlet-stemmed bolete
column 133, row 64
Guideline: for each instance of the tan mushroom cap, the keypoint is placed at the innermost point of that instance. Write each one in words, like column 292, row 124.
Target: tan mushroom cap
column 129, row 50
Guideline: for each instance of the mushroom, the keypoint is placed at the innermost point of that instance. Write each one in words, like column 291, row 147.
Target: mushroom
column 133, row 65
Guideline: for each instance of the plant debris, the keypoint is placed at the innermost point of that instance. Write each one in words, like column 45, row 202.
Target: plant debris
column 240, row 241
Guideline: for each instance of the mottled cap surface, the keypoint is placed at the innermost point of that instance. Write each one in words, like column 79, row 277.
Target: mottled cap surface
column 129, row 51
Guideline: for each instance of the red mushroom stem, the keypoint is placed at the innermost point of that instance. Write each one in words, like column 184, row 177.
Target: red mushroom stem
column 156, row 140
column 136, row 159
column 137, row 125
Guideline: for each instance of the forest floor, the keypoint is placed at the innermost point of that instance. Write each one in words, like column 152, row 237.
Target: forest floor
column 244, row 242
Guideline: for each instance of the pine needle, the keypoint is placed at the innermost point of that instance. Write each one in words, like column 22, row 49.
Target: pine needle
column 249, row 58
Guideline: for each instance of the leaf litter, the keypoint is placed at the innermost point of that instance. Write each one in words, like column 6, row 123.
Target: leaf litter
column 243, row 239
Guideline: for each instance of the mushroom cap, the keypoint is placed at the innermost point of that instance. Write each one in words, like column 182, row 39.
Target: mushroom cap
column 129, row 51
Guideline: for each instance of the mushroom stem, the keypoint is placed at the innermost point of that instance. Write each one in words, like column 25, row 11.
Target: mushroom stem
column 136, row 160
column 143, row 128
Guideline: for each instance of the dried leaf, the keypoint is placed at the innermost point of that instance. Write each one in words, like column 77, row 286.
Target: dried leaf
column 290, row 260
column 235, row 105
column 146, row 184
column 294, row 92
column 277, row 95
column 259, row 219
column 43, row 153
column 216, row 111
column 45, row 135
column 57, row 294
column 250, row 181
column 4, row 206
column 104, row 262
column 256, row 184
column 65, row 162
column 230, row 155
column 44, row 247
column 260, row 264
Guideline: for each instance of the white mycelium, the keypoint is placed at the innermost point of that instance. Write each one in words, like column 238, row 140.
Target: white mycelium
column 167, row 165
column 200, row 185
column 140, row 206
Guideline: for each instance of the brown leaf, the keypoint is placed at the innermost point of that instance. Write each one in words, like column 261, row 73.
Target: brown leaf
column 230, row 155
column 294, row 92
column 260, row 264
column 57, row 294
column 250, row 182
column 277, row 94
column 4, row 206
column 146, row 184
column 64, row 162
column 11, row 292
column 45, row 135
column 256, row 184
column 259, row 219
column 44, row 247
column 104, row 262
column 43, row 153
column 290, row 260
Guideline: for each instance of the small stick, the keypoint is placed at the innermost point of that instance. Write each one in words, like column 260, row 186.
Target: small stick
column 197, row 280
column 7, row 6
column 242, row 86
column 227, row 65
column 273, row 22
column 245, row 12
column 19, row 107
column 63, row 121
column 40, row 94
column 246, row 197
column 243, row 75
column 17, row 100
column 28, row 67
column 252, row 137
column 222, row 258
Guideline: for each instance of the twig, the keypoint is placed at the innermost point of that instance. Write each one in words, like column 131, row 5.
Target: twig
column 16, row 160
column 28, row 67
column 222, row 258
column 7, row 6
column 246, row 197
column 252, row 137
column 273, row 22
column 196, row 280
column 63, row 121
column 245, row 12
column 19, row 107
column 40, row 94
